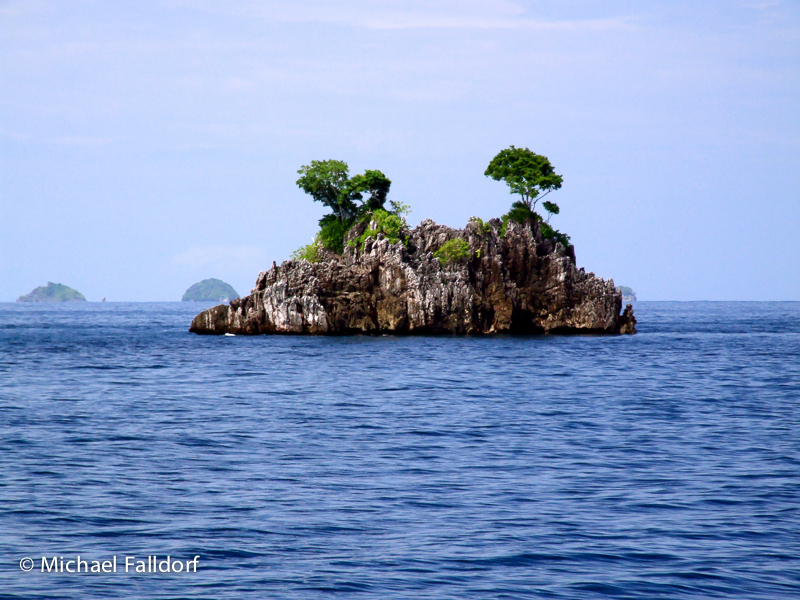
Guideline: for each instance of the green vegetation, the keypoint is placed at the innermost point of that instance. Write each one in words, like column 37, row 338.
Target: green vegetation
column 309, row 252
column 381, row 221
column 331, row 233
column 53, row 292
column 554, row 234
column 519, row 213
column 210, row 290
column 484, row 227
column 360, row 198
column 453, row 251
column 532, row 177
column 526, row 173
column 399, row 209
column 327, row 181
column 551, row 208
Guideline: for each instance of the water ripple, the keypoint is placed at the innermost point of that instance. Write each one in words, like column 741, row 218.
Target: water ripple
column 661, row 465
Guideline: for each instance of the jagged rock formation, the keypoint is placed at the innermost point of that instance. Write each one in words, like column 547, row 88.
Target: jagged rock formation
column 516, row 283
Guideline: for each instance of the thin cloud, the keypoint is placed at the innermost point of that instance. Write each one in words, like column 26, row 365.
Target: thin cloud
column 16, row 8
column 76, row 141
column 762, row 5
column 455, row 22
column 80, row 141
column 444, row 14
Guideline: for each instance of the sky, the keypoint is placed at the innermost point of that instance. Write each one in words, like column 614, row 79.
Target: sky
column 146, row 145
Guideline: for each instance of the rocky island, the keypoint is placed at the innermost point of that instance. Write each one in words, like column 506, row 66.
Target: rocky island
column 516, row 283
column 628, row 295
column 53, row 292
column 367, row 272
column 209, row 290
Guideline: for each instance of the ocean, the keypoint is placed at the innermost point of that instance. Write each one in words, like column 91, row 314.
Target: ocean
column 660, row 465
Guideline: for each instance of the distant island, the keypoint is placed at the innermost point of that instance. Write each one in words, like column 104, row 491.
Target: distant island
column 628, row 295
column 210, row 290
column 53, row 292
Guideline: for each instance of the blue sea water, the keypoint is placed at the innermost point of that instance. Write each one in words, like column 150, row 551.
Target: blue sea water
column 660, row 465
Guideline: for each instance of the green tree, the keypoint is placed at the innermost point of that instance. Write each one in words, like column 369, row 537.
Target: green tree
column 551, row 208
column 327, row 181
column 526, row 173
column 374, row 183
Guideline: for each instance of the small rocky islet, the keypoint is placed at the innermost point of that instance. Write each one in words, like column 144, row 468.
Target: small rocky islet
column 628, row 295
column 209, row 290
column 367, row 272
column 519, row 282
column 53, row 292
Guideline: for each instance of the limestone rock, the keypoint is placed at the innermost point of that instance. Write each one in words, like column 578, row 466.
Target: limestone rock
column 516, row 283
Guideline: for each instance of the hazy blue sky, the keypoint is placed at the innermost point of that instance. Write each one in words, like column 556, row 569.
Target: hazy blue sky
column 146, row 145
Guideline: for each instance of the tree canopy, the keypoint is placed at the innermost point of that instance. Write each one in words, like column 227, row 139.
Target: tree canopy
column 526, row 173
column 328, row 182
column 532, row 177
column 551, row 208
column 374, row 183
